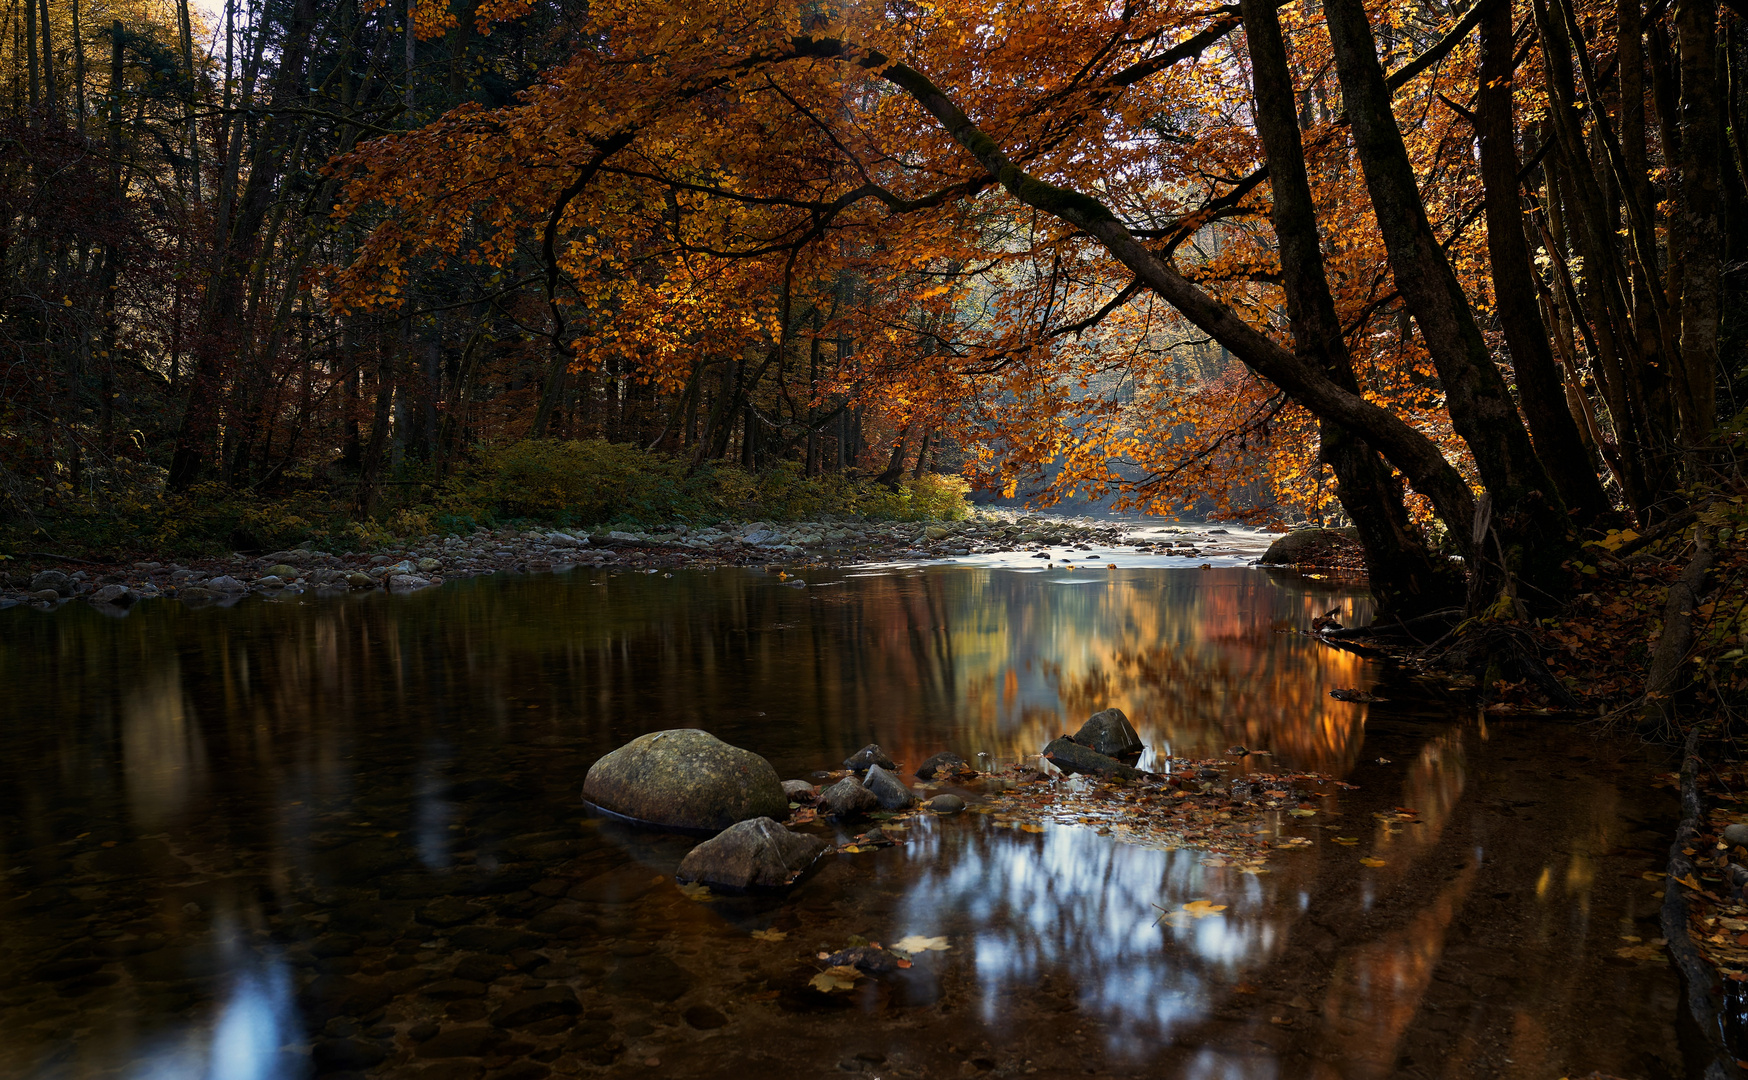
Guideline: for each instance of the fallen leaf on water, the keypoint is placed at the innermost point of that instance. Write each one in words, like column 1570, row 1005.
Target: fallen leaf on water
column 917, row 943
column 1032, row 826
column 769, row 935
column 834, row 979
column 695, row 891
column 1652, row 875
column 1201, row 909
column 1348, row 840
column 1302, row 813
column 1640, row 952
column 1373, row 862
column 851, row 849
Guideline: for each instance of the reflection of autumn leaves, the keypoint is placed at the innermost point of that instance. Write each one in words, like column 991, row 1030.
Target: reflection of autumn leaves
column 1196, row 660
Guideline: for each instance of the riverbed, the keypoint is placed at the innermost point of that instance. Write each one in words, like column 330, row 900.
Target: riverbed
column 343, row 836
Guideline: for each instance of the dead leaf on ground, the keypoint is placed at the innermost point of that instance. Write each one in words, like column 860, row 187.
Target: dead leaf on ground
column 835, row 979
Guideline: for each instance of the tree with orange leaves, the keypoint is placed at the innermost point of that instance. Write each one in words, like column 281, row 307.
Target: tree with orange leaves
column 1024, row 222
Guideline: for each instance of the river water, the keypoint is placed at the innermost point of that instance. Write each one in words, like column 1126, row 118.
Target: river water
column 345, row 836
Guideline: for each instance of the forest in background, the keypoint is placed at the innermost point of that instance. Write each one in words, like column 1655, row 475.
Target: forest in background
column 175, row 373
column 1466, row 272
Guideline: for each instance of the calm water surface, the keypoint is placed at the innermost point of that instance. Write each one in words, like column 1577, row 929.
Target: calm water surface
column 345, row 836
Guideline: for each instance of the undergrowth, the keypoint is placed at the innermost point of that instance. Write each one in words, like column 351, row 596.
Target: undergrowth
column 578, row 485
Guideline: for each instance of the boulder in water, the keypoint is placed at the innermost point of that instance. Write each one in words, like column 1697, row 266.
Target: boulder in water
column 750, row 855
column 946, row 804
column 848, row 798
column 1109, row 733
column 685, row 778
column 868, row 755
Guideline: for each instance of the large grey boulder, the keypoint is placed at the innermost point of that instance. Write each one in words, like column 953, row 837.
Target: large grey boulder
column 756, row 854
column 1109, row 733
column 1310, row 546
column 685, row 778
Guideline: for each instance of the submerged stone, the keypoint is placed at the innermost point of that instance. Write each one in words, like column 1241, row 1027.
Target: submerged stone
column 943, row 764
column 685, row 778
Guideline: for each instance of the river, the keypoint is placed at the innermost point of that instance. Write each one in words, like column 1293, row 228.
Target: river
column 343, row 836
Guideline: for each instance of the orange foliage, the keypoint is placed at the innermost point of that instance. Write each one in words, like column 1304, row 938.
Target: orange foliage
column 731, row 183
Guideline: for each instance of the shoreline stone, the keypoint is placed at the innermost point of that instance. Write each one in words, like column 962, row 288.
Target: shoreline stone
column 435, row 559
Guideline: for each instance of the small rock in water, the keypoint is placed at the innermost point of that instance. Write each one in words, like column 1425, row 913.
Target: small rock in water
column 282, row 571
column 1736, row 834
column 407, row 582
column 1109, row 733
column 848, row 798
column 946, row 804
column 800, row 791
column 1070, row 756
column 889, row 789
column 358, row 580
column 751, row 854
column 226, row 583
column 868, row 755
column 944, row 764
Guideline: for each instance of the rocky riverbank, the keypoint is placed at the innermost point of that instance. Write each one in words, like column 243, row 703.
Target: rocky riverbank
column 426, row 561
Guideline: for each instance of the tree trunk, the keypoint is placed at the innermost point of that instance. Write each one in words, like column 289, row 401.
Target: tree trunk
column 1539, row 385
column 1406, row 578
column 1701, row 198
column 1531, row 519
column 364, row 498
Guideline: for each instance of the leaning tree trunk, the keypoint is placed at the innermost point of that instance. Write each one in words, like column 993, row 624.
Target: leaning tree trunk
column 1406, row 578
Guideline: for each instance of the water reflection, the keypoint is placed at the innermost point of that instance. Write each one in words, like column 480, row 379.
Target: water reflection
column 246, row 842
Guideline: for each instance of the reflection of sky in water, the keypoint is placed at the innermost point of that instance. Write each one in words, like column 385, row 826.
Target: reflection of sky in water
column 1080, row 907
column 256, row 1019
column 432, row 813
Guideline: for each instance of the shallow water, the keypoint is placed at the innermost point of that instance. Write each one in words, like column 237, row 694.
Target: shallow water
column 345, row 836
